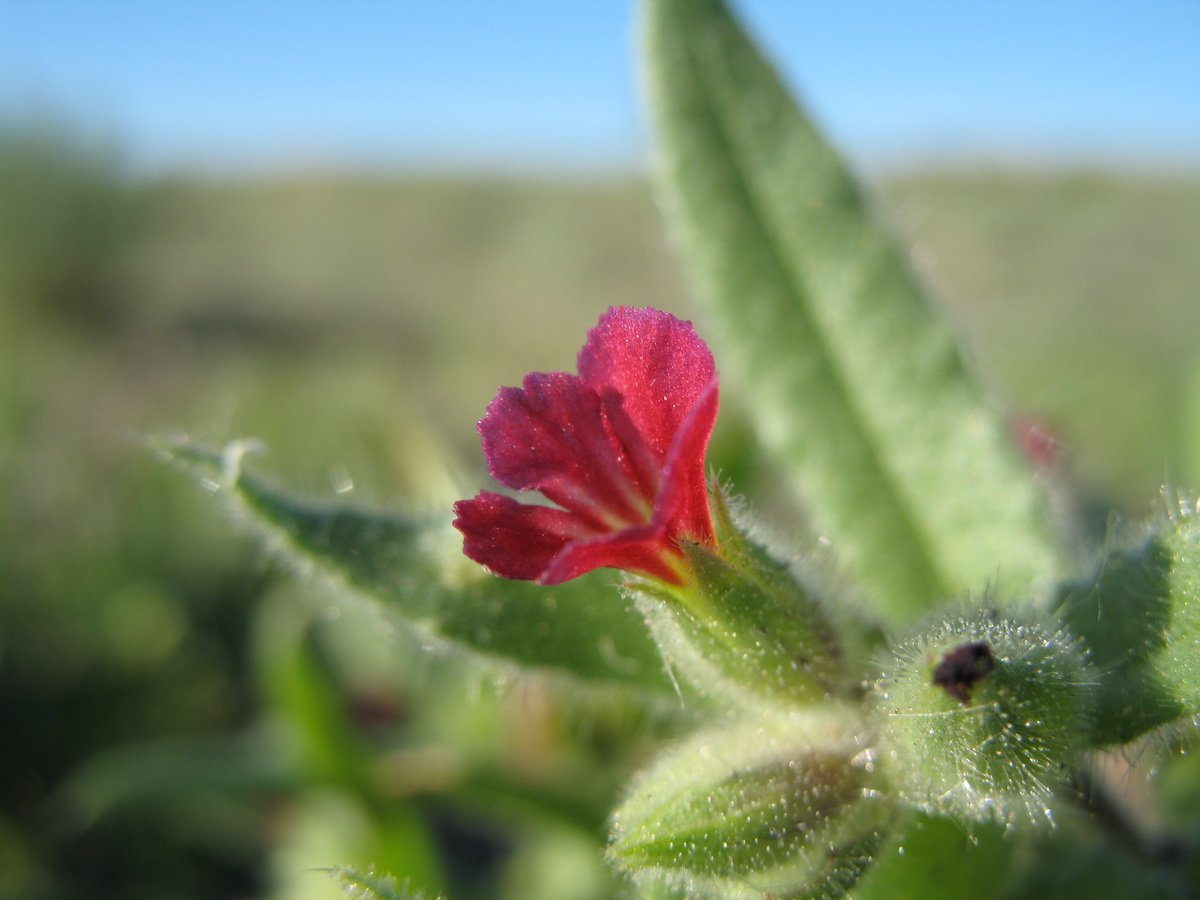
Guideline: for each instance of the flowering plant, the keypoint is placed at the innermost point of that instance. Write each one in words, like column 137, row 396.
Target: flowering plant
column 932, row 722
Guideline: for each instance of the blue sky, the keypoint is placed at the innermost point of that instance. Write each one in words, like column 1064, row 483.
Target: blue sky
column 237, row 84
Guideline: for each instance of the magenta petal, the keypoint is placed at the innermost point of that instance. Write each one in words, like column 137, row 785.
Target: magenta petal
column 645, row 550
column 620, row 448
column 683, row 508
column 655, row 363
column 513, row 539
column 551, row 436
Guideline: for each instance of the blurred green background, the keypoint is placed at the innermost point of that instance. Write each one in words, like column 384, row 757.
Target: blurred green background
column 180, row 717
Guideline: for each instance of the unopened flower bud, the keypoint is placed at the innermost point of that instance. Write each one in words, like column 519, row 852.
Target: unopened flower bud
column 785, row 806
column 980, row 715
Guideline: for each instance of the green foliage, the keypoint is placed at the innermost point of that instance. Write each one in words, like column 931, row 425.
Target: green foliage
column 779, row 804
column 414, row 570
column 1137, row 613
column 1071, row 864
column 853, row 380
column 931, row 856
column 369, row 886
column 1178, row 659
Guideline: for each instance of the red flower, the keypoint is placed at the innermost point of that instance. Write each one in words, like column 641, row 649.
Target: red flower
column 619, row 448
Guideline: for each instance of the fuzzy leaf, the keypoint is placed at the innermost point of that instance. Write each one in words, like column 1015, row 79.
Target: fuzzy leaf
column 414, row 569
column 1139, row 615
column 852, row 378
column 1179, row 661
column 371, row 886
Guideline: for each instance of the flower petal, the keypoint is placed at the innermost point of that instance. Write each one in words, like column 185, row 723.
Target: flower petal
column 620, row 448
column 655, row 363
column 643, row 550
column 513, row 539
column 683, row 508
column 551, row 435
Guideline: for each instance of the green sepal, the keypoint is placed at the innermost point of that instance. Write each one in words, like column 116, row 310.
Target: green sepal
column 785, row 804
column 1179, row 659
column 744, row 624
column 995, row 742
column 1129, row 701
column 1139, row 616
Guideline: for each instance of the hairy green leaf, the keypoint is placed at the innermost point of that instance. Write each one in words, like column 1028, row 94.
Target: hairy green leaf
column 372, row 886
column 850, row 375
column 414, row 569
column 1139, row 615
